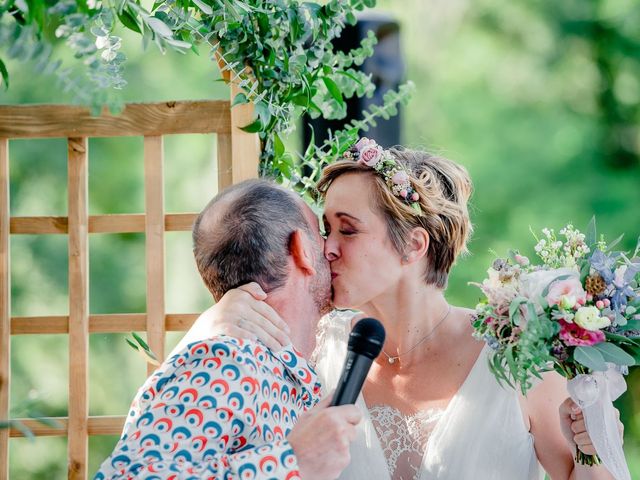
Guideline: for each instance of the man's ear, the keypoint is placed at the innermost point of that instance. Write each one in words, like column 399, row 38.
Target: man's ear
column 417, row 245
column 301, row 251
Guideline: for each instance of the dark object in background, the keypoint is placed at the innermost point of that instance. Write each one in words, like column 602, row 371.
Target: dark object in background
column 387, row 68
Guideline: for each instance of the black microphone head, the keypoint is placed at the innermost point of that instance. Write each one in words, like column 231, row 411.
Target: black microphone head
column 367, row 337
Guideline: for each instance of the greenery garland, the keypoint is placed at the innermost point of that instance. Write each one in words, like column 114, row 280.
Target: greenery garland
column 279, row 52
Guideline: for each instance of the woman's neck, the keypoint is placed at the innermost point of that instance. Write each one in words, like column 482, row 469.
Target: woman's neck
column 413, row 315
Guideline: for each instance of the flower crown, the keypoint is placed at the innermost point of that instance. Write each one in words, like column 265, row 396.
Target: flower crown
column 368, row 152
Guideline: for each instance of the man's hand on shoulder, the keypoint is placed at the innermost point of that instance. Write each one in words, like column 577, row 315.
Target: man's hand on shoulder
column 321, row 439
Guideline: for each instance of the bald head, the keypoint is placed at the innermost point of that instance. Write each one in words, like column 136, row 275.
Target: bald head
column 243, row 236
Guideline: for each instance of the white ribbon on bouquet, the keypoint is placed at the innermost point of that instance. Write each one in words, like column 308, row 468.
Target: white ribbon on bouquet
column 594, row 394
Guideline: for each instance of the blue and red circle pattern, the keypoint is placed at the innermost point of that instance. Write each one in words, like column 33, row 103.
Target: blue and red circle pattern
column 220, row 409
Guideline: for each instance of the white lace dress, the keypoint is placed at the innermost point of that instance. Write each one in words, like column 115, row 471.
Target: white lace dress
column 480, row 435
column 403, row 438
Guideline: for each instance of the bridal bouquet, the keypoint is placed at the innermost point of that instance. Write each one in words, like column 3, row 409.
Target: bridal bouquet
column 576, row 312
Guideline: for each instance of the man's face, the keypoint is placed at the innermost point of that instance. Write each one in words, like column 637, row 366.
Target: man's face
column 320, row 289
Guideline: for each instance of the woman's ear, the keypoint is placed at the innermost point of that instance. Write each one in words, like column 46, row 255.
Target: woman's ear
column 417, row 245
column 300, row 249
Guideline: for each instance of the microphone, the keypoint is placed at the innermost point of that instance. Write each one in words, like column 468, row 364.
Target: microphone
column 365, row 343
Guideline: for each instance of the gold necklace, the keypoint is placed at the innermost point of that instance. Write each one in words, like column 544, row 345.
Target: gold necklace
column 394, row 359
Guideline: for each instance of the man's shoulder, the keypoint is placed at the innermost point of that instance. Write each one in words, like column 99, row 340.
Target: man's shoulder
column 219, row 363
column 215, row 351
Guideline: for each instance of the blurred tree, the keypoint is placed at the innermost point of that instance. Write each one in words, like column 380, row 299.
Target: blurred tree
column 605, row 37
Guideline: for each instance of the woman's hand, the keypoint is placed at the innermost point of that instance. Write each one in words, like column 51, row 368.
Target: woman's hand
column 242, row 313
column 574, row 429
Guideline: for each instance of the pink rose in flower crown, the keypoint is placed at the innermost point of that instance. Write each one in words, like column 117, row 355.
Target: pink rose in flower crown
column 566, row 293
column 364, row 142
column 576, row 336
column 400, row 177
column 370, row 155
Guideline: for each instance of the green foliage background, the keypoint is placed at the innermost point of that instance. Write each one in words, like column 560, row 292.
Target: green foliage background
column 539, row 101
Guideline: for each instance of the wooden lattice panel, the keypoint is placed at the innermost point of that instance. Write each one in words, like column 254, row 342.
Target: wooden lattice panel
column 237, row 160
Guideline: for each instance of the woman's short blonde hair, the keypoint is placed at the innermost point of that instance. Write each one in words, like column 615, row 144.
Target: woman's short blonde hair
column 444, row 188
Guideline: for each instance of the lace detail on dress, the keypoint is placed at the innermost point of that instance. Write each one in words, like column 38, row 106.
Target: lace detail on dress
column 403, row 438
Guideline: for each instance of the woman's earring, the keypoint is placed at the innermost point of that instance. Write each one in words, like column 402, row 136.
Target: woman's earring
column 405, row 258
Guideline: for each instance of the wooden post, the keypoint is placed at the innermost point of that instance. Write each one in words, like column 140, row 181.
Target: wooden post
column 154, row 243
column 245, row 147
column 78, row 307
column 5, row 306
column 224, row 161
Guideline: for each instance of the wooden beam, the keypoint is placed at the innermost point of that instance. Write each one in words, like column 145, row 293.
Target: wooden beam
column 104, row 425
column 120, row 223
column 39, row 225
column 78, row 308
column 105, row 323
column 154, row 243
column 180, row 322
column 42, row 121
column 5, row 305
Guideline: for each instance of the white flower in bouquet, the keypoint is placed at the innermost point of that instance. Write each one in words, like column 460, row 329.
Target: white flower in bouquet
column 499, row 288
column 589, row 318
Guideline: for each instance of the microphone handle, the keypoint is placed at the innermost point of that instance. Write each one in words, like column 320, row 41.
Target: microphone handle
column 354, row 373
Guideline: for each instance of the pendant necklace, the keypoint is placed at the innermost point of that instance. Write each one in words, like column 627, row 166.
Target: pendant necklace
column 395, row 358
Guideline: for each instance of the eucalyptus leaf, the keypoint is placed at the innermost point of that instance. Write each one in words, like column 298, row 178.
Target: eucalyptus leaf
column 159, row 27
column 590, row 358
column 178, row 43
column 206, row 9
column 140, row 341
column 620, row 339
column 131, row 344
column 514, row 309
column 263, row 112
column 149, row 357
column 613, row 244
column 614, row 354
column 278, row 146
column 253, row 127
column 129, row 20
column 334, row 90
column 240, row 99
column 231, row 9
column 632, row 324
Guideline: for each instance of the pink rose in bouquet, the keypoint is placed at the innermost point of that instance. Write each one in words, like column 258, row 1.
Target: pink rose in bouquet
column 566, row 293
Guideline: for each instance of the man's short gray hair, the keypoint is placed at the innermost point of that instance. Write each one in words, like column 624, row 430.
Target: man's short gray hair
column 246, row 239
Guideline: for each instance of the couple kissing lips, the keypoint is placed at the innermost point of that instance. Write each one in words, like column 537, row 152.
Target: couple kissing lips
column 334, row 275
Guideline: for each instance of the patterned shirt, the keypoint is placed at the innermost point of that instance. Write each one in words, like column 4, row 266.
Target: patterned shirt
column 219, row 409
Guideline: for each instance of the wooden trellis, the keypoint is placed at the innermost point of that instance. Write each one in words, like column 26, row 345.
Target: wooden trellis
column 237, row 160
